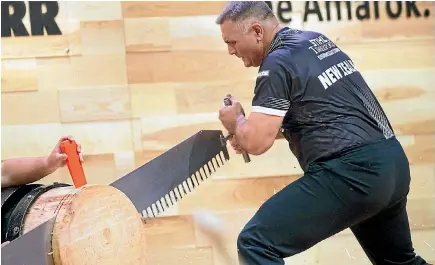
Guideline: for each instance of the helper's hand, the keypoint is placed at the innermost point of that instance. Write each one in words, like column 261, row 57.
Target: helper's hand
column 228, row 115
column 57, row 159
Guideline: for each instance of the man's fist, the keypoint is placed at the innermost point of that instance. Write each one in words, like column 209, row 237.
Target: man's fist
column 235, row 145
column 57, row 159
column 228, row 115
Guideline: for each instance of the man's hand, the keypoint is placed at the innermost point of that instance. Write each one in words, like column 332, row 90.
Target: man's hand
column 229, row 115
column 236, row 145
column 25, row 170
column 57, row 159
column 254, row 135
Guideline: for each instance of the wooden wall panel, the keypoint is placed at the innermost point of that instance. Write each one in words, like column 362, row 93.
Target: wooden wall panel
column 19, row 75
column 171, row 9
column 103, row 37
column 98, row 104
column 33, row 107
column 130, row 80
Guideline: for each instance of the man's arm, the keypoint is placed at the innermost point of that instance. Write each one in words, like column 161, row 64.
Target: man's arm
column 258, row 132
column 20, row 171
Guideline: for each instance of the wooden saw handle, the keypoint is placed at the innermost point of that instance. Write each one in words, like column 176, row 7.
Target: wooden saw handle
column 69, row 147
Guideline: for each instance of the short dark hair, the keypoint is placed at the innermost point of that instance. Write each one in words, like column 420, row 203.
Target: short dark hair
column 240, row 10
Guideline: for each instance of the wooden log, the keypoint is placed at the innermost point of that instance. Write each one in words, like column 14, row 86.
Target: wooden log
column 94, row 224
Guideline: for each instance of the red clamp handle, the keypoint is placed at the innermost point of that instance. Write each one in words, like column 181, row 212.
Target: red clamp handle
column 69, row 147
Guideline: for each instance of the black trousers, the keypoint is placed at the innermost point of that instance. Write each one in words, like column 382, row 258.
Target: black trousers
column 364, row 189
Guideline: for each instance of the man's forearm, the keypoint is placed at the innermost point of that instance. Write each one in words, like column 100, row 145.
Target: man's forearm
column 245, row 134
column 19, row 171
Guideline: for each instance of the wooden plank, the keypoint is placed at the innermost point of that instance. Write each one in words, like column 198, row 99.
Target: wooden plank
column 184, row 256
column 54, row 73
column 154, row 99
column 170, row 232
column 101, row 137
column 39, row 139
column 94, row 11
column 421, row 212
column 136, row 128
column 147, row 34
column 196, row 33
column 34, row 140
column 422, row 181
column 180, row 66
column 67, row 44
column 102, row 37
column 98, row 70
column 94, row 104
column 203, row 97
column 187, row 98
column 19, row 75
column 171, row 9
column 30, row 108
column 402, row 28
column 158, row 131
column 377, row 55
column 420, row 149
column 407, row 97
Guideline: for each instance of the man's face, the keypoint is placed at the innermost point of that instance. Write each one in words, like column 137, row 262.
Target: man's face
column 244, row 46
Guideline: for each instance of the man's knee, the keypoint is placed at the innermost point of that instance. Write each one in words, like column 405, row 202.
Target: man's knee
column 245, row 240
column 254, row 242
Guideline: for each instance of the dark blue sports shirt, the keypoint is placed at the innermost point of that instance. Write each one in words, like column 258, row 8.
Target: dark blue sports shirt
column 327, row 106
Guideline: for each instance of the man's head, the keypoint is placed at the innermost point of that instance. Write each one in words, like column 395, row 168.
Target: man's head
column 248, row 28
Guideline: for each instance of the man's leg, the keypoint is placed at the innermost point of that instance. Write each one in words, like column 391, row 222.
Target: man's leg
column 307, row 211
column 386, row 238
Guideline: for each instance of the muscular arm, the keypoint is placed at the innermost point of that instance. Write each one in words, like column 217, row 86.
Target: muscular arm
column 19, row 171
column 257, row 133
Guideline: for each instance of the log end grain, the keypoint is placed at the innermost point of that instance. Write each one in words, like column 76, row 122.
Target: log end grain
column 100, row 225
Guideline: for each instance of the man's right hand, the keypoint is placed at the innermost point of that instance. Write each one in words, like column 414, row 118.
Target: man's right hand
column 235, row 145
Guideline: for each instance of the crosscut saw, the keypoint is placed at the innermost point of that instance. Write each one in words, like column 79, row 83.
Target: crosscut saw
column 152, row 188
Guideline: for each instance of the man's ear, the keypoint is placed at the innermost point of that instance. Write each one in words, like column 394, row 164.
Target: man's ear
column 258, row 30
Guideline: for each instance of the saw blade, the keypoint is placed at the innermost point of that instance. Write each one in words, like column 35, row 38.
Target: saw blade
column 161, row 182
column 34, row 247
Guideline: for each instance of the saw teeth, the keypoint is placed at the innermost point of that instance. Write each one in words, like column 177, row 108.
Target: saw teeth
column 170, row 200
column 198, row 177
column 185, row 187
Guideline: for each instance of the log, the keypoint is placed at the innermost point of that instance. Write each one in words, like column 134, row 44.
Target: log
column 94, row 224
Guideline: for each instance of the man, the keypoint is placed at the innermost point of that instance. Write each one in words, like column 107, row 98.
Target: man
column 356, row 174
column 21, row 171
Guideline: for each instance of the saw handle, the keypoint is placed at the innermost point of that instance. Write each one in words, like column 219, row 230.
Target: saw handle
column 69, row 147
column 227, row 102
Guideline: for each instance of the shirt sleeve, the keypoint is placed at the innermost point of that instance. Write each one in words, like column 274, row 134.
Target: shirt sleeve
column 272, row 88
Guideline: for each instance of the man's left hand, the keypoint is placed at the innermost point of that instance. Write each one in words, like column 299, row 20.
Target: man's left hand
column 228, row 115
